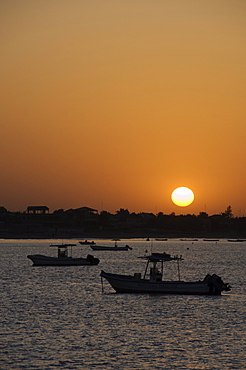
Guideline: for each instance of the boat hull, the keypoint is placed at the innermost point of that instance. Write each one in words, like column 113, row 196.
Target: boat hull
column 102, row 248
column 40, row 260
column 86, row 242
column 134, row 284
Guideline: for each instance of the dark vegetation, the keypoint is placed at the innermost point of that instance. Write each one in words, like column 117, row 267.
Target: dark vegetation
column 85, row 222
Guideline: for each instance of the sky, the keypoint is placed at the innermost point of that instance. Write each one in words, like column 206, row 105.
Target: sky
column 114, row 104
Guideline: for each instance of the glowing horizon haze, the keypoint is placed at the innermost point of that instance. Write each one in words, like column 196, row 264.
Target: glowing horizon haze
column 115, row 104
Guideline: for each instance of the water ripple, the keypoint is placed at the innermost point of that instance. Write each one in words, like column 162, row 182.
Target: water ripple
column 58, row 317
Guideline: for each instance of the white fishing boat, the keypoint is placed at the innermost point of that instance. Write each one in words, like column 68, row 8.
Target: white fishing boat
column 63, row 258
column 87, row 242
column 111, row 248
column 152, row 280
column 189, row 240
column 236, row 240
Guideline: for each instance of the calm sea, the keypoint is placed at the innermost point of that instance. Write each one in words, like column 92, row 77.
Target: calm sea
column 58, row 317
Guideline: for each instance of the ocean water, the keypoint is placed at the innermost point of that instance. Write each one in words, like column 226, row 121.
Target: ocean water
column 58, row 317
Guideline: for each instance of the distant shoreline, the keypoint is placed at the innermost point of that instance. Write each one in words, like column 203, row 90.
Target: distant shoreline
column 111, row 236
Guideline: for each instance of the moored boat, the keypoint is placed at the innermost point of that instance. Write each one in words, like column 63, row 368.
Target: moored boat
column 152, row 282
column 87, row 242
column 62, row 259
column 236, row 240
column 111, row 248
column 189, row 240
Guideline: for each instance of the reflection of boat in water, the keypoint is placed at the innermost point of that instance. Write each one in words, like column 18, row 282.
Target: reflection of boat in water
column 210, row 240
column 87, row 242
column 62, row 259
column 108, row 248
column 152, row 282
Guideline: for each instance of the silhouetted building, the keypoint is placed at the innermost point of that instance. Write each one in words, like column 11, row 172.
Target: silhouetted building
column 37, row 209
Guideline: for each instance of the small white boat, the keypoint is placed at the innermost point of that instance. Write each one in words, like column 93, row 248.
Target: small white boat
column 152, row 281
column 113, row 248
column 236, row 240
column 87, row 242
column 62, row 259
column 189, row 240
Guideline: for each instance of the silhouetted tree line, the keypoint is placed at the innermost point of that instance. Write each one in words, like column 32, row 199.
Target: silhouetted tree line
column 87, row 222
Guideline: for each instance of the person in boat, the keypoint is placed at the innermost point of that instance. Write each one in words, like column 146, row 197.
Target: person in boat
column 62, row 252
column 155, row 274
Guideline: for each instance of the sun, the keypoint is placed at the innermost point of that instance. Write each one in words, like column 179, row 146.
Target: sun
column 182, row 196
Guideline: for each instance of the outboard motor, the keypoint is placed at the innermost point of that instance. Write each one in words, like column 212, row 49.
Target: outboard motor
column 216, row 284
column 92, row 259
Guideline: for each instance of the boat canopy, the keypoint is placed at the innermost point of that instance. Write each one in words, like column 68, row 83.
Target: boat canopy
column 63, row 245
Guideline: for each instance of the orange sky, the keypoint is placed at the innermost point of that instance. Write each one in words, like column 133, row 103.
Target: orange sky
column 113, row 104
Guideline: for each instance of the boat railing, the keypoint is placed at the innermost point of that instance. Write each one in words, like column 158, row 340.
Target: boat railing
column 62, row 249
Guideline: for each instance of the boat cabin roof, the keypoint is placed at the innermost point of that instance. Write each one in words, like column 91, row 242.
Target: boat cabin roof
column 62, row 245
